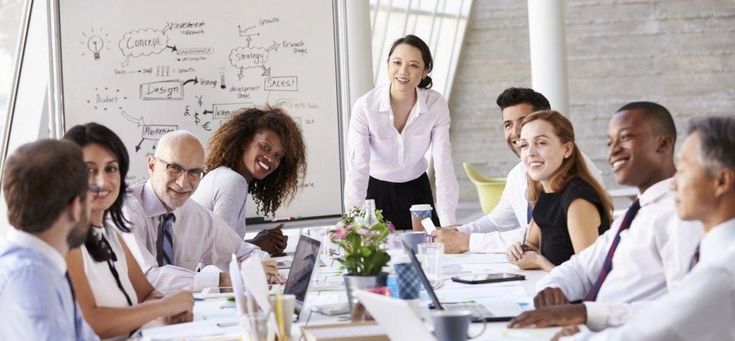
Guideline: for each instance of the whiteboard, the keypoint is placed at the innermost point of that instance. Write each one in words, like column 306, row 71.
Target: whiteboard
column 145, row 68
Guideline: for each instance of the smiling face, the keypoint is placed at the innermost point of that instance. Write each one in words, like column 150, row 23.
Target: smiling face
column 406, row 68
column 104, row 171
column 542, row 152
column 173, row 167
column 632, row 149
column 262, row 156
column 512, row 118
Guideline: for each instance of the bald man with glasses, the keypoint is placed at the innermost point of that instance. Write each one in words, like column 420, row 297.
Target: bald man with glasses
column 172, row 236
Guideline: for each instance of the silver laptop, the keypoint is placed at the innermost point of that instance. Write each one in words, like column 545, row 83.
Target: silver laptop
column 479, row 311
column 302, row 269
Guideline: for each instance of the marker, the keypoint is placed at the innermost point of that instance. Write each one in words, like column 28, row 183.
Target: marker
column 275, row 220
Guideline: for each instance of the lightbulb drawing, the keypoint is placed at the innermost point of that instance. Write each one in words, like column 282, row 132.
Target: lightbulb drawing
column 95, row 45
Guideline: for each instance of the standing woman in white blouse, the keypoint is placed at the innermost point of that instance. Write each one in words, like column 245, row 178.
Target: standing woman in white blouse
column 391, row 129
column 113, row 293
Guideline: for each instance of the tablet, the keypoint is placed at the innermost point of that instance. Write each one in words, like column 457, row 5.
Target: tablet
column 488, row 278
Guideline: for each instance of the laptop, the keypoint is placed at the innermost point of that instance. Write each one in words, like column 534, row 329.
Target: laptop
column 480, row 312
column 302, row 269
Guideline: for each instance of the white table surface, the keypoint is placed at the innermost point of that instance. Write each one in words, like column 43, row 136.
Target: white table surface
column 217, row 318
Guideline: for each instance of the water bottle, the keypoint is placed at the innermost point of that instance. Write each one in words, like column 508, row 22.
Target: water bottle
column 369, row 218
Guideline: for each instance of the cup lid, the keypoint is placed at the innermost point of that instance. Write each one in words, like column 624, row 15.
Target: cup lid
column 421, row 207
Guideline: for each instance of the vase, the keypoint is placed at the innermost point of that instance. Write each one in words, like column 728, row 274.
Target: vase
column 354, row 283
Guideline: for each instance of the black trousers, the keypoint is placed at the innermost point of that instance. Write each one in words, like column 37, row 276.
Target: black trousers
column 395, row 199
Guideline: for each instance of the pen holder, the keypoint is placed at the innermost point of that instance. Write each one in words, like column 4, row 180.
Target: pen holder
column 283, row 307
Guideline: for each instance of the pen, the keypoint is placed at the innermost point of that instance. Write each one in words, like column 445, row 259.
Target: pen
column 525, row 247
column 199, row 267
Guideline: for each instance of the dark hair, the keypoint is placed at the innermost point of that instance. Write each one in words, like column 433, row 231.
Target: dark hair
column 228, row 143
column 40, row 180
column 717, row 141
column 572, row 167
column 656, row 113
column 94, row 133
column 514, row 96
column 425, row 55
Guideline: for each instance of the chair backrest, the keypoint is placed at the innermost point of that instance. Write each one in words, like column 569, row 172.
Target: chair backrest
column 489, row 190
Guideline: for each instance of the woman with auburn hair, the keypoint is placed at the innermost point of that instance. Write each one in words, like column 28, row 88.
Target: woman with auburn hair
column 256, row 151
column 570, row 208
column 113, row 294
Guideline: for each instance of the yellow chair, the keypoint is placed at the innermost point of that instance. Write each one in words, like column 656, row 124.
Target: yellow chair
column 488, row 189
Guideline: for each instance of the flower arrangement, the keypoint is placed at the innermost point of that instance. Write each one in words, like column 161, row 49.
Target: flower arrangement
column 363, row 246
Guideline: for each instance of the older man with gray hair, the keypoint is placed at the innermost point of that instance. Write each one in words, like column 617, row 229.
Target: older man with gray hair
column 173, row 236
column 702, row 305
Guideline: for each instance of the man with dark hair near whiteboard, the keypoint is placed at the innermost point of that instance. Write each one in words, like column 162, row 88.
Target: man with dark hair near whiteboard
column 173, row 236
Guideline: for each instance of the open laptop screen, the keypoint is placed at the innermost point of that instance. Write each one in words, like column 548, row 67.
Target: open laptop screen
column 304, row 260
column 422, row 276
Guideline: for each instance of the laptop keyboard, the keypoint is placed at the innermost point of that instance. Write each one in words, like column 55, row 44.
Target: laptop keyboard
column 476, row 310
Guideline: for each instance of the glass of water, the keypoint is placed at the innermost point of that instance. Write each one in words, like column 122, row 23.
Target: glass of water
column 430, row 255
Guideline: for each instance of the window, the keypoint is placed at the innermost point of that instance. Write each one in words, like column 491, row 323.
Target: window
column 440, row 23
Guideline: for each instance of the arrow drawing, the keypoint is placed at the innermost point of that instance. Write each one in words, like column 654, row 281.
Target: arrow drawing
column 266, row 71
column 138, row 121
column 194, row 80
column 205, row 112
column 173, row 48
column 273, row 47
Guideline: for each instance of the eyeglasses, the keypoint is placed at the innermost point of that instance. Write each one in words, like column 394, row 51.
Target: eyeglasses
column 175, row 170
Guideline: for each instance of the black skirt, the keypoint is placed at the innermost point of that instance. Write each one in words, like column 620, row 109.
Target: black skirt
column 395, row 199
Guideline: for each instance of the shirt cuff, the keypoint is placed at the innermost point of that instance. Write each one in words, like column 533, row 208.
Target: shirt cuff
column 477, row 243
column 597, row 315
column 205, row 279
column 464, row 229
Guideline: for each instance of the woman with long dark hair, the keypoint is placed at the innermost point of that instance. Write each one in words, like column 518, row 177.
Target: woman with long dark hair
column 113, row 293
column 391, row 130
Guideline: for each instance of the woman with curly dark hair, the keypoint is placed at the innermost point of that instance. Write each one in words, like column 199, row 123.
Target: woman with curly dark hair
column 256, row 151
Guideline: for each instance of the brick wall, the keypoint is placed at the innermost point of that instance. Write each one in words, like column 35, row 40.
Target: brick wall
column 677, row 53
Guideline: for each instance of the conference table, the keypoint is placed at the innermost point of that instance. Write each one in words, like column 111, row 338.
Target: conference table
column 216, row 318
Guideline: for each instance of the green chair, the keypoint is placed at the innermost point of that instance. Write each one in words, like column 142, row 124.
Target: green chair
column 489, row 190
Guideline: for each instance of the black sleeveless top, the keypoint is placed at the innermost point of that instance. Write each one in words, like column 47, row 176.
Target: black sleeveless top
column 550, row 214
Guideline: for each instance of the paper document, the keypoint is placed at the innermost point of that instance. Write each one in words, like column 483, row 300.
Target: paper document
column 428, row 225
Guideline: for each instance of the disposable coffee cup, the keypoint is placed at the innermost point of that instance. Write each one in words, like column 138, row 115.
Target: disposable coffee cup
column 418, row 213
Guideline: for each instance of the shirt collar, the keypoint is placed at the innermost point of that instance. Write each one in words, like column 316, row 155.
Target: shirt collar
column 717, row 241
column 152, row 205
column 384, row 100
column 655, row 192
column 29, row 241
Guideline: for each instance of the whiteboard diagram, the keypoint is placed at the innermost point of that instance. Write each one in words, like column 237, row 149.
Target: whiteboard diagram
column 145, row 68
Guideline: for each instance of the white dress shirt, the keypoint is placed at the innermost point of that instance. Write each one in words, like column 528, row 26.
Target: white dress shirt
column 224, row 192
column 377, row 149
column 700, row 307
column 199, row 238
column 103, row 284
column 506, row 223
column 646, row 262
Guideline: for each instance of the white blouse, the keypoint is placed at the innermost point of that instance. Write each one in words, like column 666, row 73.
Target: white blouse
column 103, row 284
column 377, row 149
column 224, row 192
